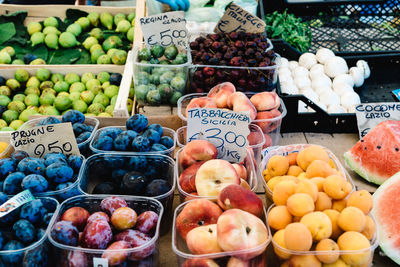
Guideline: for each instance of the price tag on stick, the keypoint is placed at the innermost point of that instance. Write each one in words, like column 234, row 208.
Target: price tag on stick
column 40, row 140
column 236, row 19
column 227, row 130
column 165, row 29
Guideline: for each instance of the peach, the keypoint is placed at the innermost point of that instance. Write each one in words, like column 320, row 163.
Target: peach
column 200, row 263
column 282, row 191
column 337, row 187
column 319, row 182
column 188, row 177
column 331, row 247
column 203, row 240
column 197, row 150
column 291, row 157
column 278, row 243
column 239, row 102
column 297, row 237
column 351, row 240
column 268, row 141
column 352, row 219
column 244, row 184
column 319, row 224
column 197, row 213
column 369, row 229
column 221, row 92
column 339, row 205
column 265, row 119
column 319, row 168
column 201, row 102
column 255, row 138
column 307, row 187
column 304, row 261
column 279, row 217
column 300, row 204
column 309, row 154
column 323, row 202
column 265, row 101
column 241, row 170
column 238, row 230
column 277, row 165
column 236, row 197
column 294, row 170
column 215, row 175
column 361, row 199
column 236, row 262
column 333, row 216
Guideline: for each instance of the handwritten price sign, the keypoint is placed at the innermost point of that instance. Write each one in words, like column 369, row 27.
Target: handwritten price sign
column 40, row 140
column 165, row 29
column 227, row 130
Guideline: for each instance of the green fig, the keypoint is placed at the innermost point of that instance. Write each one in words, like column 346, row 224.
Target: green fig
column 110, row 109
column 87, row 76
column 97, row 33
column 107, row 20
column 18, row 62
column 130, row 34
column 123, row 26
column 32, row 91
column 37, row 38
column 131, row 16
column 38, row 61
column 51, row 29
column 104, row 59
column 43, row 74
column 46, row 84
column 111, row 91
column 95, row 47
column 96, row 108
column 111, row 51
column 104, row 114
column 16, row 105
column 19, row 97
column 113, row 100
column 79, row 105
column 105, row 85
column 55, row 77
column 33, row 81
column 16, row 124
column 67, row 40
column 92, row 83
column 84, row 22
column 10, row 50
column 62, row 102
column 112, row 42
column 94, row 18
column 51, row 40
column 47, row 99
column 21, row 75
column 3, row 124
column 10, row 115
column 24, row 116
column 119, row 57
column 5, row 58
column 118, row 17
column 103, row 77
column 87, row 96
column 13, row 84
column 72, row 77
column 4, row 100
column 32, row 100
column 61, row 86
column 5, row 90
column 129, row 105
column 77, row 87
column 89, row 42
column 75, row 29
column 50, row 21
column 74, row 96
column 96, row 54
column 49, row 91
column 34, row 27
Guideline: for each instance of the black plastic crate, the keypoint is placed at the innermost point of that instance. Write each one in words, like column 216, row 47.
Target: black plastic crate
column 385, row 73
column 356, row 27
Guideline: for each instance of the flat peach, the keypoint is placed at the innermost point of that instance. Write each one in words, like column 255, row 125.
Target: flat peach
column 221, row 92
column 264, row 119
column 197, row 150
column 201, row 102
column 241, row 103
column 265, row 101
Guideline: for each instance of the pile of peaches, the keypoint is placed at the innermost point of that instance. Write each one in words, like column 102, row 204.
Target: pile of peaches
column 263, row 107
column 203, row 174
column 315, row 210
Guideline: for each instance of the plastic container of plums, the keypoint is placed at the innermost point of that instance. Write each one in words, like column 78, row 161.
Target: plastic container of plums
column 71, row 255
column 186, row 258
column 282, row 254
column 104, row 174
column 166, row 132
column 35, row 254
column 285, row 150
column 84, row 146
column 270, row 127
column 249, row 164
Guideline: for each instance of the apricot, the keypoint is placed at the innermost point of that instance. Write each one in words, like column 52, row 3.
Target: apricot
column 352, row 240
column 319, row 224
column 279, row 217
column 319, row 168
column 282, row 191
column 328, row 245
column 300, row 204
column 307, row 187
column 338, row 263
column 369, row 229
column 276, row 180
column 297, row 237
column 304, row 261
column 294, row 170
column 309, row 154
column 266, row 175
column 292, row 158
column 352, row 219
column 337, row 187
column 339, row 205
column 279, row 239
column 361, row 199
column 323, row 202
column 319, row 182
column 302, row 176
column 277, row 165
column 333, row 216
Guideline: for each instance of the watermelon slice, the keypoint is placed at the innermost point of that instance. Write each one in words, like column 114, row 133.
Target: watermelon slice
column 377, row 156
column 386, row 211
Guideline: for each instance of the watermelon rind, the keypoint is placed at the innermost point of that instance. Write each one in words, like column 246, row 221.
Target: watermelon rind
column 384, row 241
column 355, row 165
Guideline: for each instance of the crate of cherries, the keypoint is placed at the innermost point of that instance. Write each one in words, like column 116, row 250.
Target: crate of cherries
column 245, row 59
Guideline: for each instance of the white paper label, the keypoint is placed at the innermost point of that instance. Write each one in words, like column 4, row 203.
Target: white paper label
column 100, row 262
column 40, row 140
column 371, row 114
column 226, row 129
column 15, row 202
column 165, row 29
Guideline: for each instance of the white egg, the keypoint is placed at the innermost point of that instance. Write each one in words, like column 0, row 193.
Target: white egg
column 342, row 88
column 307, row 60
column 285, row 71
column 336, row 109
column 316, row 71
column 311, row 95
column 350, row 99
column 323, row 54
column 287, row 83
column 335, row 66
column 293, row 64
column 322, row 81
column 284, row 63
column 343, row 78
column 300, row 71
column 322, row 89
column 302, row 81
column 358, row 76
column 329, row 98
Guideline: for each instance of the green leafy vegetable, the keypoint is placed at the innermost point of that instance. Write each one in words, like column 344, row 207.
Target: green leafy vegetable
column 64, row 56
column 7, row 31
column 84, row 58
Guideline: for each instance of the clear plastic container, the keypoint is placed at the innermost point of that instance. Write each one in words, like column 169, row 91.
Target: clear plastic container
column 183, row 253
column 92, row 204
column 99, row 167
column 249, row 163
column 84, row 146
column 167, row 132
column 9, row 149
column 287, row 253
column 270, row 127
column 29, row 256
column 285, row 150
column 175, row 89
